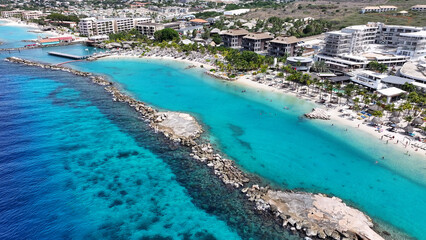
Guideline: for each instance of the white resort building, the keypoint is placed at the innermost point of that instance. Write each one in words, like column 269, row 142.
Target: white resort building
column 93, row 27
column 412, row 44
column 354, row 47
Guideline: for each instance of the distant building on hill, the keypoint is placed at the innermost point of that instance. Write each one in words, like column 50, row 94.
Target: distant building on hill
column 378, row 9
column 236, row 12
column 418, row 8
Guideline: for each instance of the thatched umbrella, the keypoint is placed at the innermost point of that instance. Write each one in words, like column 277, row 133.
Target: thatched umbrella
column 375, row 108
column 377, row 120
column 395, row 120
column 409, row 129
column 396, row 114
column 417, row 121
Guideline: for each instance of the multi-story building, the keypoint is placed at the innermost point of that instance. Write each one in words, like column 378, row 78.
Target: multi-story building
column 12, row 14
column 234, row 38
column 148, row 29
column 142, row 20
column 92, row 26
column 29, row 15
column 412, row 44
column 281, row 46
column 123, row 24
column 418, row 8
column 104, row 27
column 26, row 15
column 257, row 42
column 350, row 40
column 86, row 26
column 389, row 34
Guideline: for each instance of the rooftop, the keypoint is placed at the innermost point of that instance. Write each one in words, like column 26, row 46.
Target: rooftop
column 258, row 36
column 391, row 92
column 198, row 20
column 285, row 40
column 236, row 32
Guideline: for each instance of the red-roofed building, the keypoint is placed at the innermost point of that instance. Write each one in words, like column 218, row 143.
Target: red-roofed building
column 198, row 21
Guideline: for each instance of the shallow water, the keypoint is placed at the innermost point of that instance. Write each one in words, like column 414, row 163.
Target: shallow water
column 253, row 129
column 11, row 36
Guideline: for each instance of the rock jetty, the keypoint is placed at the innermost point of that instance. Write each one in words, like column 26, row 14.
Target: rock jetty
column 224, row 168
column 315, row 215
column 219, row 76
column 318, row 113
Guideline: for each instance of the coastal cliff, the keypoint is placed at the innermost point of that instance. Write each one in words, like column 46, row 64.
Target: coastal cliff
column 314, row 215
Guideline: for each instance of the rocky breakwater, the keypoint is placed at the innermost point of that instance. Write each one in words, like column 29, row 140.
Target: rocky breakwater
column 315, row 214
column 318, row 113
column 185, row 130
column 224, row 168
column 95, row 79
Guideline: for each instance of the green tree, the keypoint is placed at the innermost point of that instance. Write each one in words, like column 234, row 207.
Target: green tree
column 166, row 34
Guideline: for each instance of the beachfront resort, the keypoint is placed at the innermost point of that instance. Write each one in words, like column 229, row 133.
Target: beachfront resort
column 299, row 113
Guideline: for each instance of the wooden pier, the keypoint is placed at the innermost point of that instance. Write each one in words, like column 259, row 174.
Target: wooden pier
column 70, row 56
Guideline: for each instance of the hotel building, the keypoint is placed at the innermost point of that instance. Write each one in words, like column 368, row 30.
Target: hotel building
column 412, row 44
column 354, row 47
column 256, row 42
column 281, row 46
column 92, row 26
column 233, row 38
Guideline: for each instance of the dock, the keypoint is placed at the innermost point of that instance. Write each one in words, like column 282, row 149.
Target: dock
column 70, row 56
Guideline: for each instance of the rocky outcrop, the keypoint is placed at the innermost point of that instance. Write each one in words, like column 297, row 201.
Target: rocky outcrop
column 318, row 113
column 177, row 125
column 224, row 168
column 315, row 214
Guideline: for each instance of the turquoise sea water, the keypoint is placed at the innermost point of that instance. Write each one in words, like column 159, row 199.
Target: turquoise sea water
column 254, row 130
column 11, row 36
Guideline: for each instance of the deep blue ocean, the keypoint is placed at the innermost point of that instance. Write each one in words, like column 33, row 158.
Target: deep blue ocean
column 75, row 165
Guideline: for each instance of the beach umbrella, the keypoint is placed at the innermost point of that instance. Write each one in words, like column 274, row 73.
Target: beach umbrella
column 377, row 120
column 409, row 129
column 375, row 108
column 394, row 119
column 417, row 121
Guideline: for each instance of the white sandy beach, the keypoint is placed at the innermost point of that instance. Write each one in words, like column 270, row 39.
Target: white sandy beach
column 399, row 141
column 32, row 26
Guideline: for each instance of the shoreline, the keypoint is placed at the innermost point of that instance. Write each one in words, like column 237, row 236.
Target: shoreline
column 333, row 218
column 34, row 26
column 397, row 143
column 343, row 122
